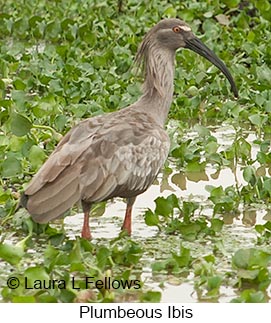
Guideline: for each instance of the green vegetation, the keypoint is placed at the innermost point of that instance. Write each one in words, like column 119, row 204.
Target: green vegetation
column 63, row 61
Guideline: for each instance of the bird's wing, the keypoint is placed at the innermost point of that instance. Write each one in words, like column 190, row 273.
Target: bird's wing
column 56, row 186
column 125, row 166
column 66, row 154
column 100, row 158
column 126, row 156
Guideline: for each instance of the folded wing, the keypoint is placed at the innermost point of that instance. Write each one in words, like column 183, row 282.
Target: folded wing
column 98, row 159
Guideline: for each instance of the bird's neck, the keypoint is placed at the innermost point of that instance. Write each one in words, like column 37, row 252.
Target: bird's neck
column 158, row 85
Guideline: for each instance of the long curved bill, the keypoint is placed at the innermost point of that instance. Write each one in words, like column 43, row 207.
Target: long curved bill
column 197, row 46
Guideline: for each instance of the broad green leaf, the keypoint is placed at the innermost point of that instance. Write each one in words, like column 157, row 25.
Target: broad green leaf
column 11, row 253
column 244, row 148
column 36, row 274
column 98, row 209
column 202, row 131
column 23, row 299
column 102, row 257
column 165, row 206
column 267, row 225
column 11, row 167
column 151, row 218
column 217, row 225
column 158, row 266
column 211, row 147
column 248, row 274
column 232, row 3
column 67, row 296
column 249, row 175
column 50, row 256
column 20, row 125
column 170, row 12
column 256, row 119
column 61, row 122
column 190, row 231
column 184, row 258
column 250, row 296
column 249, row 258
column 214, row 282
column 267, row 185
column 189, row 208
column 36, row 156
column 151, row 297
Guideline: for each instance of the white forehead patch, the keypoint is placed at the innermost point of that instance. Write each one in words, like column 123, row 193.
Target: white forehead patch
column 185, row 28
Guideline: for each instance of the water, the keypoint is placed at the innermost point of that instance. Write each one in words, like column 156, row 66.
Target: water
column 238, row 229
column 192, row 187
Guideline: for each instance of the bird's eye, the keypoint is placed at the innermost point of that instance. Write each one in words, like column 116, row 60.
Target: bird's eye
column 176, row 29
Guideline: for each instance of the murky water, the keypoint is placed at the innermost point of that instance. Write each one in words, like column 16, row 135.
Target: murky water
column 188, row 187
column 239, row 229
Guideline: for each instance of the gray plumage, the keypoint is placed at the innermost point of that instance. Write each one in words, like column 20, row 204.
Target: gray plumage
column 117, row 154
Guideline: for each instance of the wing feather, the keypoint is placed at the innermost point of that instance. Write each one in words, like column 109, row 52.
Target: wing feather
column 101, row 158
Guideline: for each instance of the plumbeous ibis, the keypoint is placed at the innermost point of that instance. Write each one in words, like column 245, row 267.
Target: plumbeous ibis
column 118, row 154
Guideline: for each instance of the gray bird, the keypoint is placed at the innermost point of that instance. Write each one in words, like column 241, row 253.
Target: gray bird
column 118, row 154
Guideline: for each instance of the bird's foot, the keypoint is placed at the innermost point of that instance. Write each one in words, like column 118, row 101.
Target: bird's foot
column 86, row 235
column 86, row 232
column 126, row 229
column 127, row 223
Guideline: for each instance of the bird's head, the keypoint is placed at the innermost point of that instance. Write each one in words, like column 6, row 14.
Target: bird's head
column 173, row 34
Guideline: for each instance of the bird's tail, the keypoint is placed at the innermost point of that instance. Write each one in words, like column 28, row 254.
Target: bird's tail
column 54, row 198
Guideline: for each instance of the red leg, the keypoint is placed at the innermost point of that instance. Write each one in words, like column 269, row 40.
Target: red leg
column 86, row 230
column 127, row 223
